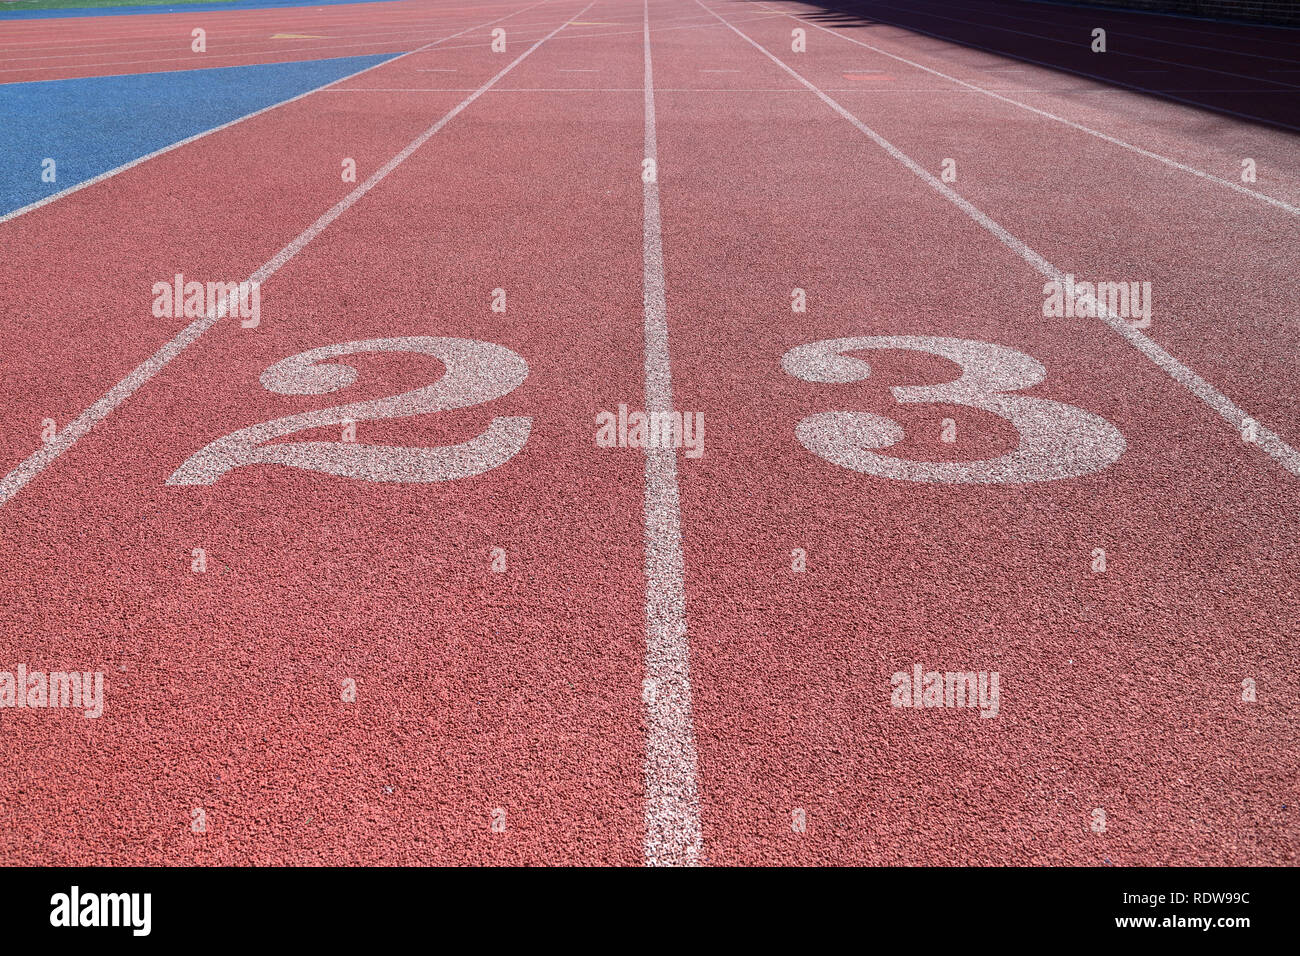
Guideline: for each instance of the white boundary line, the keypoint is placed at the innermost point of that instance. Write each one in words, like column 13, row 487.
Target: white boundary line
column 1114, row 141
column 1267, row 440
column 266, row 109
column 672, row 808
column 36, row 462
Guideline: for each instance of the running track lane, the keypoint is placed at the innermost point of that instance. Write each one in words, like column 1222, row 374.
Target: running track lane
column 215, row 209
column 1221, row 264
column 476, row 690
column 1119, row 691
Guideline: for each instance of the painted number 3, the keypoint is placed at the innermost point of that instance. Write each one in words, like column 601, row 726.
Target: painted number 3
column 476, row 372
column 1056, row 440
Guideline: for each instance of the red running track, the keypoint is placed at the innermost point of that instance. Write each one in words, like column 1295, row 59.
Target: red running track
column 552, row 698
column 149, row 43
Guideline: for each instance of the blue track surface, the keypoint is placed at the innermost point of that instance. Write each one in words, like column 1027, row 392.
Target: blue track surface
column 16, row 12
column 91, row 125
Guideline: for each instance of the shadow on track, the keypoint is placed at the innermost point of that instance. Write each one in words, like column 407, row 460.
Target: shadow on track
column 1249, row 71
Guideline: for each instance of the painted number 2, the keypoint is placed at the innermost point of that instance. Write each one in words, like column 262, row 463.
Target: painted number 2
column 476, row 372
column 1056, row 440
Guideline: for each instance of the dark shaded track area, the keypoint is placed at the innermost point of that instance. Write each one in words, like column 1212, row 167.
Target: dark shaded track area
column 1248, row 71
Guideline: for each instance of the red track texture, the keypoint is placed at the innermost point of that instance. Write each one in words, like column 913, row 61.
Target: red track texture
column 503, row 716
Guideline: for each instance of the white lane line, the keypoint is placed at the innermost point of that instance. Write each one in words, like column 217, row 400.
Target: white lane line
column 217, row 129
column 1267, row 440
column 36, row 462
column 672, row 809
column 1114, row 141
